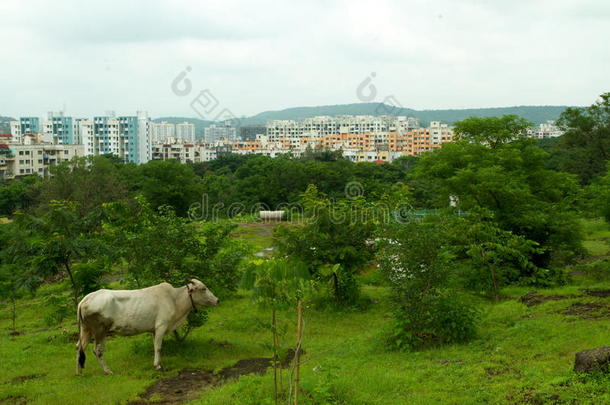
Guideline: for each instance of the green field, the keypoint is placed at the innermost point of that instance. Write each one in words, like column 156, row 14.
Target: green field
column 523, row 354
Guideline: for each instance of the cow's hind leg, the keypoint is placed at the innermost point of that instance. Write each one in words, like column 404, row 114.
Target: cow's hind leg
column 158, row 341
column 100, row 343
column 83, row 340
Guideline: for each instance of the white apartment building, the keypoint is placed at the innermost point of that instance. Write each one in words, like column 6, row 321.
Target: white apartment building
column 440, row 133
column 220, row 131
column 185, row 131
column 183, row 152
column 15, row 131
column 17, row 160
column 323, row 125
column 161, row 131
column 545, row 130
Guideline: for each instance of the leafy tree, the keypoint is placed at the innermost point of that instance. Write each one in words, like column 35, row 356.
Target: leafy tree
column 599, row 196
column 278, row 284
column 89, row 182
column 167, row 183
column 333, row 241
column 489, row 256
column 11, row 289
column 512, row 182
column 50, row 244
column 17, row 194
column 418, row 261
column 587, row 139
column 491, row 131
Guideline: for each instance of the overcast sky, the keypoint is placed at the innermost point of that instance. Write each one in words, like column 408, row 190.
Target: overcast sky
column 252, row 56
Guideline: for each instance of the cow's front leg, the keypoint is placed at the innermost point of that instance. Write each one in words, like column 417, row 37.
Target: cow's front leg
column 158, row 341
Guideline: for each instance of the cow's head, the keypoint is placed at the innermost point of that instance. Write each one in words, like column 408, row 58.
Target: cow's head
column 200, row 294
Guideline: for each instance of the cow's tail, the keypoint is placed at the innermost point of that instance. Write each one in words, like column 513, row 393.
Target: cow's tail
column 81, row 353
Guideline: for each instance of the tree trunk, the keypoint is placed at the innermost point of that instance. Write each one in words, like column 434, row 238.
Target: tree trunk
column 336, row 286
column 14, row 315
column 274, row 330
column 74, row 289
column 297, row 353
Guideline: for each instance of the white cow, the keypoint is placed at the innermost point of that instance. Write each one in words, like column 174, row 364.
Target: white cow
column 159, row 309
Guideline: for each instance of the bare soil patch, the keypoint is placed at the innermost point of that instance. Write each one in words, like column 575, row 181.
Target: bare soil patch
column 588, row 310
column 533, row 298
column 187, row 385
column 22, row 378
column 14, row 400
column 598, row 293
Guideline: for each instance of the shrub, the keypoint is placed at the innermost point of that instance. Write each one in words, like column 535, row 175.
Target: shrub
column 419, row 264
column 436, row 319
column 333, row 242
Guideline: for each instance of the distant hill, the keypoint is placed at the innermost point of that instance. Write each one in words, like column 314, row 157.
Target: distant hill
column 536, row 114
column 199, row 124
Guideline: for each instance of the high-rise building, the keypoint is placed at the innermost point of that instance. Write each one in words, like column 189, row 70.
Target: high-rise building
column 161, row 131
column 16, row 134
column 30, row 125
column 128, row 137
column 59, row 129
column 248, row 132
column 347, row 124
column 185, row 131
column 216, row 132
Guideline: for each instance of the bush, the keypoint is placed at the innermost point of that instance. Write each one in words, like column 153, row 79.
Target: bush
column 436, row 319
column 333, row 242
column 419, row 264
column 88, row 277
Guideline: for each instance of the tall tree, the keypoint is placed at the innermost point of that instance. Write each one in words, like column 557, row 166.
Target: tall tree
column 512, row 182
column 492, row 131
column 587, row 139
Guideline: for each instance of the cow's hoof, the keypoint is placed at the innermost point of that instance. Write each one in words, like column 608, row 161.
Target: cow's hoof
column 108, row 372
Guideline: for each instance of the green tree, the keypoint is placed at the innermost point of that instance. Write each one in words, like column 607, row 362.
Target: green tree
column 587, row 139
column 167, row 183
column 599, row 196
column 51, row 243
column 334, row 241
column 17, row 194
column 89, row 182
column 278, row 284
column 491, row 131
column 513, row 183
column 420, row 265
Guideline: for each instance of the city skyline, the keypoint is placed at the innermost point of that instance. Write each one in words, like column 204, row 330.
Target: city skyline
column 260, row 57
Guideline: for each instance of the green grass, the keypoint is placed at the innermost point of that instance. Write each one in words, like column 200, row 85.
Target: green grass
column 258, row 234
column 597, row 234
column 521, row 355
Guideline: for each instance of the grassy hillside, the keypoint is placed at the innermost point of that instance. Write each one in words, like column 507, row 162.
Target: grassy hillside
column 523, row 354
